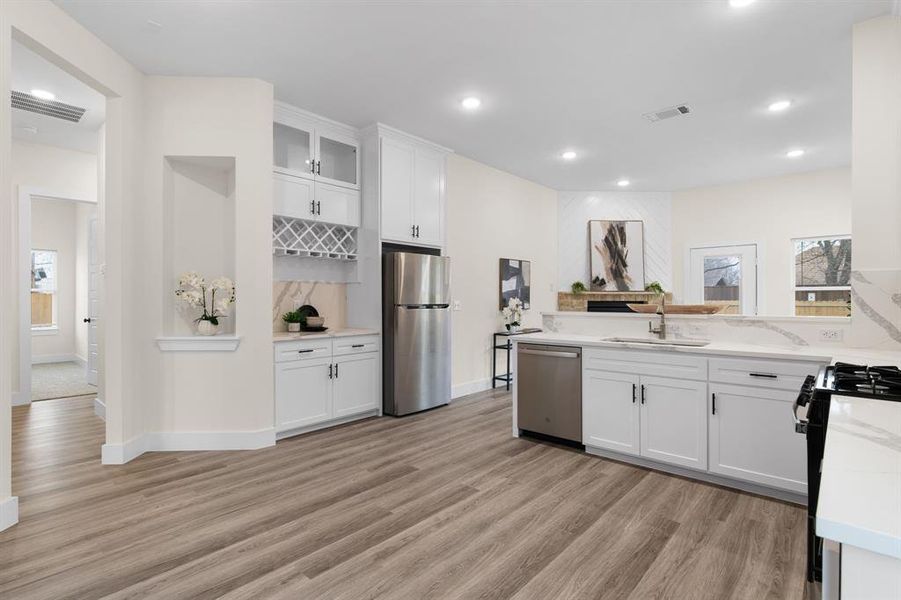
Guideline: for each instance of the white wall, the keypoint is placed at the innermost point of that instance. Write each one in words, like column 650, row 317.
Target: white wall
column 53, row 224
column 575, row 209
column 187, row 394
column 492, row 215
column 770, row 211
column 47, row 30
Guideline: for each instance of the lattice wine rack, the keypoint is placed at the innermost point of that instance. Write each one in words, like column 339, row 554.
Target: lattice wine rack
column 296, row 237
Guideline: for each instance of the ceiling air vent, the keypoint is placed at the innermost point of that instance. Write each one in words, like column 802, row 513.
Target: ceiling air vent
column 50, row 108
column 667, row 113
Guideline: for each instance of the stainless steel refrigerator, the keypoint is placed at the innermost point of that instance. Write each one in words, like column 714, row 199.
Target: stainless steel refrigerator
column 416, row 332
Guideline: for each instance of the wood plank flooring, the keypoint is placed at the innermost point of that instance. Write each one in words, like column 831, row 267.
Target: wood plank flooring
column 444, row 504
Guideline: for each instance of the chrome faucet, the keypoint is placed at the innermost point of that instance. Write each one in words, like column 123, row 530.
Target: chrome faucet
column 660, row 330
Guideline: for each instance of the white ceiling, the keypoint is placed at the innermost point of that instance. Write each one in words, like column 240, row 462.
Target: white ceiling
column 551, row 76
column 30, row 71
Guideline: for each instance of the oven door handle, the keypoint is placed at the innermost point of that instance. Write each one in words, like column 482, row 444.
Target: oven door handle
column 800, row 425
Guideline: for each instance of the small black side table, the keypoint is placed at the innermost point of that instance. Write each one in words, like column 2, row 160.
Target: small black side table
column 507, row 377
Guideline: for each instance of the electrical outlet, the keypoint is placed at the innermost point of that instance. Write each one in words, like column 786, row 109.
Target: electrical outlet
column 458, row 305
column 831, row 335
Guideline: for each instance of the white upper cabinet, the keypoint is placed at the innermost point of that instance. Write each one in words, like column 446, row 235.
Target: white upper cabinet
column 397, row 191
column 412, row 175
column 316, row 168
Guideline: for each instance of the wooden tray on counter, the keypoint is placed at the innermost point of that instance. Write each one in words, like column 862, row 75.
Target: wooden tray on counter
column 677, row 309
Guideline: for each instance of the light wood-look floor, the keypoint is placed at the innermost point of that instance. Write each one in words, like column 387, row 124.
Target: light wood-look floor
column 444, row 504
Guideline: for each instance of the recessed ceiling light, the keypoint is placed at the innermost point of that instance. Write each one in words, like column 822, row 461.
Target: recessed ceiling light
column 623, row 183
column 471, row 103
column 740, row 3
column 780, row 105
column 43, row 94
column 568, row 155
column 796, row 153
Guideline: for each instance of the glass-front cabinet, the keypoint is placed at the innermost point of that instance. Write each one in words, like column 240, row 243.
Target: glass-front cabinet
column 304, row 151
column 337, row 161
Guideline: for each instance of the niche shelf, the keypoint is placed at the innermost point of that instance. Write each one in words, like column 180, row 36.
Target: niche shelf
column 296, row 237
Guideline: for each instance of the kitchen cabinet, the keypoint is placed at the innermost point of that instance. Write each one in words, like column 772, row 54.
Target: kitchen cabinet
column 674, row 421
column 610, row 411
column 316, row 169
column 325, row 381
column 356, row 382
column 303, row 393
column 412, row 188
column 751, row 437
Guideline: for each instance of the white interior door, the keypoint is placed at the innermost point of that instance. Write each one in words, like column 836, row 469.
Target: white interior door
column 724, row 276
column 93, row 317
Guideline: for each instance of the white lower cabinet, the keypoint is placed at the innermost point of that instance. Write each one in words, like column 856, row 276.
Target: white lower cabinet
column 752, row 437
column 355, row 387
column 303, row 393
column 320, row 382
column 674, row 421
column 610, row 412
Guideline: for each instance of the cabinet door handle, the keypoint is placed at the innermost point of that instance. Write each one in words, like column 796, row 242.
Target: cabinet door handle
column 642, row 395
column 633, row 393
column 713, row 403
column 336, row 370
column 330, row 375
column 312, row 207
column 764, row 375
column 319, row 167
column 318, row 207
column 312, row 166
column 413, row 231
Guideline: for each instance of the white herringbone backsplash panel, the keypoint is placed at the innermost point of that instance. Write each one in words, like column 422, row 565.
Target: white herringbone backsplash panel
column 575, row 209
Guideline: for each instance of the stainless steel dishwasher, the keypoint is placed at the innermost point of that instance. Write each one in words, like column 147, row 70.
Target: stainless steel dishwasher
column 549, row 390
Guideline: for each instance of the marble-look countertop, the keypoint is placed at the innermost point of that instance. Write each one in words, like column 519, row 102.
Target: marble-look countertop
column 316, row 335
column 821, row 354
column 860, row 493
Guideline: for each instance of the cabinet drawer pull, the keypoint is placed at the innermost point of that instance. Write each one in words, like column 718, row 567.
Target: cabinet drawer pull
column 305, row 351
column 764, row 375
column 358, row 346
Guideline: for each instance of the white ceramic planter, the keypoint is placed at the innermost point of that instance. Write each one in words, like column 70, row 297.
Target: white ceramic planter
column 207, row 328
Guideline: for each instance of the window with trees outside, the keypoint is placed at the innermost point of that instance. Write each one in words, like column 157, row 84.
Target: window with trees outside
column 823, row 277
column 43, row 289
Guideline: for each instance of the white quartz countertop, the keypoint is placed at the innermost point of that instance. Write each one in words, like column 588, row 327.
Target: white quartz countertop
column 314, row 335
column 860, row 492
column 823, row 354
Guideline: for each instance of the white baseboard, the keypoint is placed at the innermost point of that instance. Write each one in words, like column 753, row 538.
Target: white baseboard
column 53, row 358
column 465, row 389
column 9, row 512
column 100, row 408
column 179, row 441
column 209, row 440
column 80, row 361
column 119, row 454
column 20, row 399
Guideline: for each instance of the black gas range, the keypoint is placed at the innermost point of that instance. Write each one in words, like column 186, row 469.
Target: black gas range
column 811, row 414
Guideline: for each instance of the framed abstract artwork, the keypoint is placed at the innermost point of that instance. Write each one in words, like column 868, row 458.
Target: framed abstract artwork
column 515, row 281
column 617, row 255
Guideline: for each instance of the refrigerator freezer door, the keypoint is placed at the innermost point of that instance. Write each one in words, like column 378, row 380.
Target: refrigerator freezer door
column 421, row 360
column 421, row 279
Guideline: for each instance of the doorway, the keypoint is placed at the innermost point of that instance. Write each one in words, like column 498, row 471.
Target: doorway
column 724, row 276
column 61, row 259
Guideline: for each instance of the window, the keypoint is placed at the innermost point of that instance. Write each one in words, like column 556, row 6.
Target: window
column 43, row 289
column 823, row 277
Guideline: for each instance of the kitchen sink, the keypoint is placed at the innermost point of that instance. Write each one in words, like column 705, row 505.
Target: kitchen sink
column 655, row 342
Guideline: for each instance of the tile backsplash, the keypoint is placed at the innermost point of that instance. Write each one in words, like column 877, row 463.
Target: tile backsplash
column 330, row 299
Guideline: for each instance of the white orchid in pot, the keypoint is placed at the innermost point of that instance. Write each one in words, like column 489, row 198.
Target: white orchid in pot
column 513, row 314
column 196, row 293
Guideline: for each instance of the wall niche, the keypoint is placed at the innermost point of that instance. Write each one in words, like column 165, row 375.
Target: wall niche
column 199, row 233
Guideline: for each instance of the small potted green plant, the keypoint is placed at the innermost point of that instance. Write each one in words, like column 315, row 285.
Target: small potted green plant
column 294, row 320
column 578, row 287
column 655, row 288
